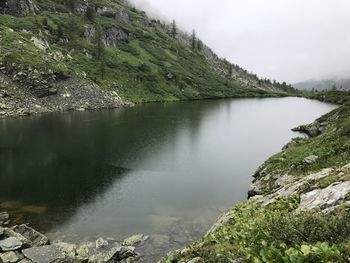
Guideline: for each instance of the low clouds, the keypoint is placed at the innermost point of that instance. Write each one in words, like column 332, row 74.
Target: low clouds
column 290, row 40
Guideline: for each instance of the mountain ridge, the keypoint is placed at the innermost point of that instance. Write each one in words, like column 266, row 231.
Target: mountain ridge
column 51, row 47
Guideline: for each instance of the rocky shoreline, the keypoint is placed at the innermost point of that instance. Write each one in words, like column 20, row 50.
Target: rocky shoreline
column 322, row 191
column 27, row 91
column 23, row 244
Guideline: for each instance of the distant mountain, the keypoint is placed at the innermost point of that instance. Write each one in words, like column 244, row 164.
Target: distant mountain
column 325, row 84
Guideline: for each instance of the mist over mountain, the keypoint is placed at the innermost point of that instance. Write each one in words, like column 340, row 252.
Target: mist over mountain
column 324, row 84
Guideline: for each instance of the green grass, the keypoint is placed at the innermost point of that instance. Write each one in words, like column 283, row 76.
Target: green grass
column 274, row 234
column 137, row 69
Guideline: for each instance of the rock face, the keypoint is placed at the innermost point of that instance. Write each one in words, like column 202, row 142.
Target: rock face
column 114, row 36
column 18, row 7
column 324, row 198
column 34, row 91
column 122, row 16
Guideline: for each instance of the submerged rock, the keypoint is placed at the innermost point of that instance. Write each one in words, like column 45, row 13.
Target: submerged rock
column 135, row 240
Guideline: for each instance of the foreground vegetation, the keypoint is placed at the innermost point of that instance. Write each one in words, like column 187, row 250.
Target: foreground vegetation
column 277, row 225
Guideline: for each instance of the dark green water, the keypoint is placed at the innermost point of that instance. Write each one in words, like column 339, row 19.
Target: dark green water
column 165, row 170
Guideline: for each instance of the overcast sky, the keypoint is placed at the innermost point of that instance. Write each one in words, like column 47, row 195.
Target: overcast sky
column 291, row 40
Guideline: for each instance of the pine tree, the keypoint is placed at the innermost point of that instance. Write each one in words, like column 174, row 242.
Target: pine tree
column 173, row 29
column 90, row 14
column 45, row 23
column 199, row 45
column 99, row 43
column 194, row 40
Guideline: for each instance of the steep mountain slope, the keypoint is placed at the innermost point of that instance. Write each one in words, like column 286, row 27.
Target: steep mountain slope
column 51, row 50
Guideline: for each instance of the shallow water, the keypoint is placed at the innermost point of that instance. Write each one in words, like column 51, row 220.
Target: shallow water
column 165, row 170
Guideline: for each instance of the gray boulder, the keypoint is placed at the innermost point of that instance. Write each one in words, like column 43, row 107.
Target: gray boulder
column 9, row 257
column 135, row 240
column 4, row 217
column 36, row 238
column 10, row 244
column 44, row 254
column 310, row 159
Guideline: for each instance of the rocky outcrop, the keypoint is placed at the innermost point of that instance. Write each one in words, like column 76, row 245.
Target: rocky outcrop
column 114, row 36
column 18, row 7
column 28, row 91
column 26, row 245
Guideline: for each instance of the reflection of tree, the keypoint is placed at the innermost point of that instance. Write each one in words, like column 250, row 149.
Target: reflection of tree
column 62, row 161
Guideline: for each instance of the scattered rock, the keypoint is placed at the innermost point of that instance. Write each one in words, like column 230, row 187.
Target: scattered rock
column 89, row 32
column 291, row 144
column 36, row 238
column 4, row 217
column 196, row 260
column 40, row 43
column 135, row 240
column 9, row 257
column 310, row 159
column 44, row 254
column 10, row 244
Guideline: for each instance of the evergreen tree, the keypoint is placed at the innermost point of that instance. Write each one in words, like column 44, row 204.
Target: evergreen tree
column 99, row 43
column 199, row 45
column 90, row 14
column 173, row 29
column 230, row 70
column 193, row 40
column 70, row 4
column 45, row 23
column 59, row 32
column 100, row 50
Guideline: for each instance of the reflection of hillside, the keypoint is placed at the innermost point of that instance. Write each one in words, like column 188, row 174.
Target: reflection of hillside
column 56, row 163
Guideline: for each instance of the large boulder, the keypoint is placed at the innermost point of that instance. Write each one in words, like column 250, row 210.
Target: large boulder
column 44, row 254
column 36, row 238
column 10, row 244
column 18, row 7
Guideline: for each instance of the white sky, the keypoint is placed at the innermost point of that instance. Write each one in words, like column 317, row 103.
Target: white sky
column 291, row 40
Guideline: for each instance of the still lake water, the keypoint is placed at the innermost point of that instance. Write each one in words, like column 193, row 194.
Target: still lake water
column 165, row 170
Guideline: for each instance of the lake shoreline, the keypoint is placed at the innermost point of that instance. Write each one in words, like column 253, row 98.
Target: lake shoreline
column 324, row 191
column 75, row 245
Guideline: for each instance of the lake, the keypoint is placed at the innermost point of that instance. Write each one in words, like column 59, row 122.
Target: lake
column 164, row 170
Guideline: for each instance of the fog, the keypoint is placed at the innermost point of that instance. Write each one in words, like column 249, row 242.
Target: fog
column 286, row 40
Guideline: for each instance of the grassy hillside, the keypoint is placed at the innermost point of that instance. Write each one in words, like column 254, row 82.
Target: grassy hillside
column 119, row 48
column 299, row 205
